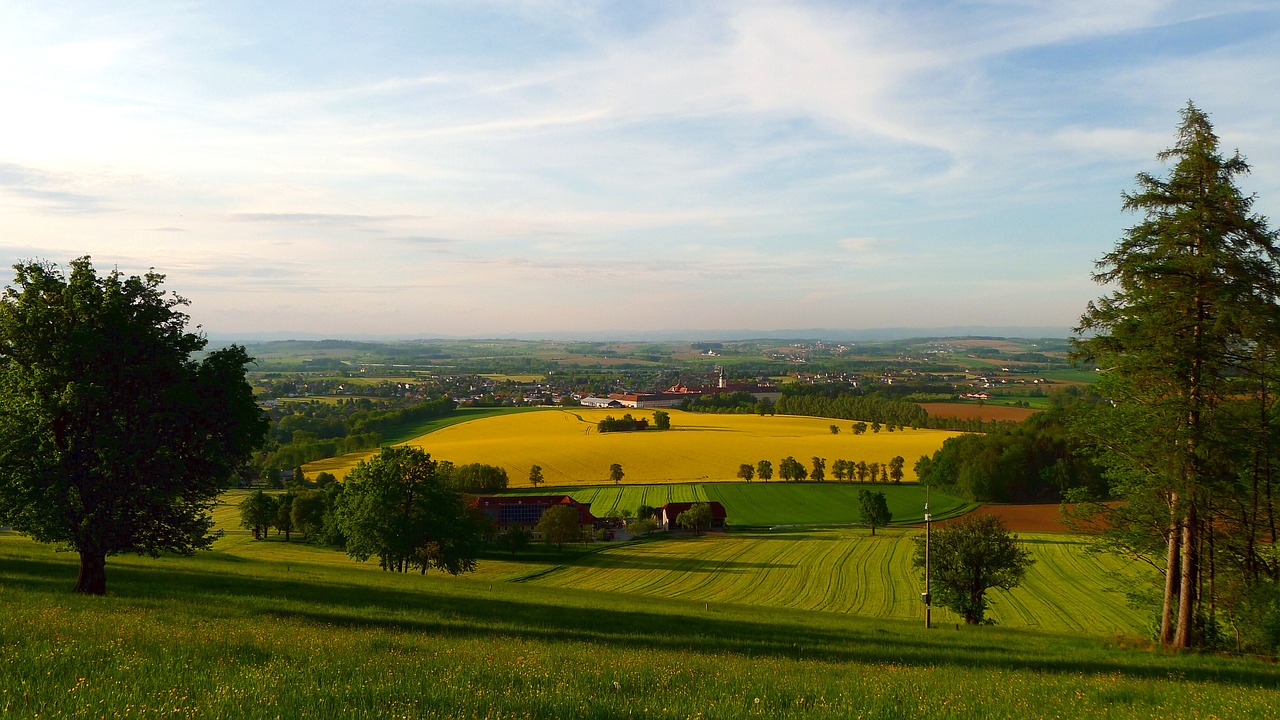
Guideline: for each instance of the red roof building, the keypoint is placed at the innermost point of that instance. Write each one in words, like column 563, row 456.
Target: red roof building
column 526, row 510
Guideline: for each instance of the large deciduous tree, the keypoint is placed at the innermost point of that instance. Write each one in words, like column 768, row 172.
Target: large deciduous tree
column 114, row 438
column 873, row 509
column 968, row 558
column 258, row 512
column 400, row 508
column 1188, row 333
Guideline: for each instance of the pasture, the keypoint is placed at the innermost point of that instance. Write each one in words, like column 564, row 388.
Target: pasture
column 243, row 634
column 769, row 504
column 698, row 448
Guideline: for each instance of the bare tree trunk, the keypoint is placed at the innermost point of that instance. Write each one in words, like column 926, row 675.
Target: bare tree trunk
column 93, row 573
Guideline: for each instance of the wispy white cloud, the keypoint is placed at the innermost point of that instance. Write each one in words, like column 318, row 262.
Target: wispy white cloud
column 773, row 158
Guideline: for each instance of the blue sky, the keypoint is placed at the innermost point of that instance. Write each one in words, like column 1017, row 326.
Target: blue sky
column 487, row 168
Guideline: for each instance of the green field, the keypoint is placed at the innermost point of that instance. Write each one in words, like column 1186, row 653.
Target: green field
column 761, row 504
column 849, row 571
column 269, row 630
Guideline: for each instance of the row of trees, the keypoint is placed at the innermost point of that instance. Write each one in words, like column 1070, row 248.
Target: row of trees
column 626, row 423
column 792, row 470
column 847, row 406
column 310, row 431
column 316, row 513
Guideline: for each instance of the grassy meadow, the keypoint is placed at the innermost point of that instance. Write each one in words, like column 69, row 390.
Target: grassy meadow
column 698, row 448
column 269, row 630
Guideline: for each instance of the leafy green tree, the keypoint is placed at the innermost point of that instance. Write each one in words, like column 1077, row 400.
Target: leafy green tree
column 661, row 420
column 535, row 475
column 697, row 518
column 895, row 468
column 516, row 538
column 258, row 512
column 835, row 429
column 398, row 507
column 1188, row 332
column 479, row 478
column 308, row 510
column 819, row 471
column 283, row 521
column 839, row 469
column 862, row 469
column 615, row 473
column 764, row 470
column 746, row 471
column 791, row 470
column 559, row 525
column 873, row 509
column 875, row 427
column 969, row 557
column 859, row 428
column 113, row 437
column 646, row 511
column 643, row 526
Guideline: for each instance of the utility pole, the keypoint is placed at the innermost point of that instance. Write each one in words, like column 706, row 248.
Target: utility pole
column 928, row 518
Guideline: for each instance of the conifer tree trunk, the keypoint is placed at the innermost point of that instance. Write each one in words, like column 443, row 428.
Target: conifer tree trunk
column 1183, row 637
column 1172, row 572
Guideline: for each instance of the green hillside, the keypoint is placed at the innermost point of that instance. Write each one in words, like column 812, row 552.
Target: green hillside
column 311, row 635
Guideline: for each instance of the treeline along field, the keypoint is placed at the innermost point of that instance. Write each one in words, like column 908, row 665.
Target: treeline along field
column 698, row 447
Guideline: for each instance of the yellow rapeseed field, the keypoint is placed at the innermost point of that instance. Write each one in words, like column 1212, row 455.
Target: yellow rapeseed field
column 698, row 447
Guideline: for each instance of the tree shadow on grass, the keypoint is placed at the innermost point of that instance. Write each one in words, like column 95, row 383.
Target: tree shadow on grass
column 467, row 610
column 623, row 561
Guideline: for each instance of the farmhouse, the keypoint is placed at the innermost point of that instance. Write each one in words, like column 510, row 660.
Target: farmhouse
column 509, row 510
column 668, row 513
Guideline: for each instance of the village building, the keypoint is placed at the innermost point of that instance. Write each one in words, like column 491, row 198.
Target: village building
column 770, row 393
column 599, row 402
column 647, row 400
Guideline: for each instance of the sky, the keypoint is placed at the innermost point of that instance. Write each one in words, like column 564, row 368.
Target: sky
column 427, row 168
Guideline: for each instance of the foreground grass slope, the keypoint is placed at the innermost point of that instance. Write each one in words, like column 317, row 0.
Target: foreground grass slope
column 227, row 635
column 699, row 447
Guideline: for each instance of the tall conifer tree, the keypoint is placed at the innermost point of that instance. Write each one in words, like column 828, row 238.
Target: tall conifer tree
column 1195, row 296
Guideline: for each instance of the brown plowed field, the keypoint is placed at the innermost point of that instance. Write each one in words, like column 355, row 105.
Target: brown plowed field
column 1022, row 518
column 970, row 411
